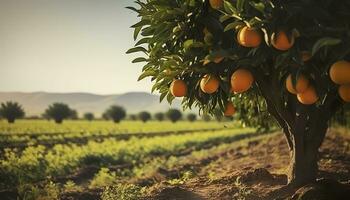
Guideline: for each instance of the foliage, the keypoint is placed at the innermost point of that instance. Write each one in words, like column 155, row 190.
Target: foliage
column 116, row 113
column 175, row 46
column 191, row 117
column 103, row 178
column 174, row 115
column 89, row 116
column 206, row 117
column 144, row 116
column 159, row 116
column 11, row 111
column 122, row 192
column 73, row 114
column 133, row 117
column 59, row 112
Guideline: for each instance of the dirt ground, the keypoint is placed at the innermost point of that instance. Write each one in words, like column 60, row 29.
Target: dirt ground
column 257, row 171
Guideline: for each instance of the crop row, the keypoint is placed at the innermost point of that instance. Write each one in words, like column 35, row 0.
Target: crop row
column 36, row 163
column 82, row 138
column 36, row 128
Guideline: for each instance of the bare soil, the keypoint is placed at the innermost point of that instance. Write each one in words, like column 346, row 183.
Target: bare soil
column 257, row 171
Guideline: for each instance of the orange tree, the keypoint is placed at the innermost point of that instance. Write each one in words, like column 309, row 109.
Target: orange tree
column 286, row 60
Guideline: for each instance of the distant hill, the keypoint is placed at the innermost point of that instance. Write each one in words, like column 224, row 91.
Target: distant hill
column 35, row 103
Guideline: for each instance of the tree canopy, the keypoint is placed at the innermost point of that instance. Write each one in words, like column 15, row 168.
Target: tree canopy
column 286, row 60
column 11, row 111
column 59, row 112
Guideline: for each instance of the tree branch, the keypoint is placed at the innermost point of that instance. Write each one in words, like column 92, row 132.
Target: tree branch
column 273, row 110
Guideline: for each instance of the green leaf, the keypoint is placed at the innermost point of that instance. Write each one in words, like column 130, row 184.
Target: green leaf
column 162, row 96
column 136, row 49
column 240, row 5
column 140, row 59
column 142, row 41
column 258, row 6
column 132, row 8
column 188, row 44
column 224, row 18
column 141, row 23
column 232, row 25
column 136, row 32
column 323, row 42
column 229, row 9
column 170, row 98
column 146, row 74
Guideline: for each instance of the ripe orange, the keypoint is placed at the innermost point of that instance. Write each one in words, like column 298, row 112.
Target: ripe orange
column 344, row 92
column 249, row 37
column 178, row 88
column 241, row 80
column 301, row 86
column 229, row 109
column 340, row 72
column 209, row 84
column 308, row 97
column 305, row 56
column 216, row 4
column 281, row 41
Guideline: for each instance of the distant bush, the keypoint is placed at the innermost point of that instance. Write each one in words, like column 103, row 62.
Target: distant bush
column 11, row 111
column 191, row 117
column 144, row 116
column 73, row 115
column 59, row 112
column 206, row 117
column 116, row 113
column 89, row 116
column 159, row 116
column 174, row 115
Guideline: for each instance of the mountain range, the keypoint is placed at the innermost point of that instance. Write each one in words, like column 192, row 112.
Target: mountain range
column 35, row 103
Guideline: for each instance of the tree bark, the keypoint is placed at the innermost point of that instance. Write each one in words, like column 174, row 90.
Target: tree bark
column 303, row 167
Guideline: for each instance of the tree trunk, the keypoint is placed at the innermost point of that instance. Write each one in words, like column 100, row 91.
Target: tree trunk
column 11, row 120
column 303, row 168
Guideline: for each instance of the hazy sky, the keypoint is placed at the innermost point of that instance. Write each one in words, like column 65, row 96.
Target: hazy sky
column 67, row 46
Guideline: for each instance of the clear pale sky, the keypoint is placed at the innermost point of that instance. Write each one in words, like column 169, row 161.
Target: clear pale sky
column 68, row 46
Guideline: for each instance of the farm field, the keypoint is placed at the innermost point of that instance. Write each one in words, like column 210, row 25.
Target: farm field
column 160, row 160
column 39, row 156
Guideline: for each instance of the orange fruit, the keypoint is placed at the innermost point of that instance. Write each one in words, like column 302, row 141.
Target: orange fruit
column 229, row 109
column 241, row 80
column 344, row 92
column 216, row 4
column 305, row 56
column 308, row 97
column 281, row 41
column 249, row 37
column 178, row 88
column 340, row 72
column 209, row 84
column 300, row 87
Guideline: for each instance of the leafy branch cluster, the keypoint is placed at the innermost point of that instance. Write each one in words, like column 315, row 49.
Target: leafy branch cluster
column 183, row 39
